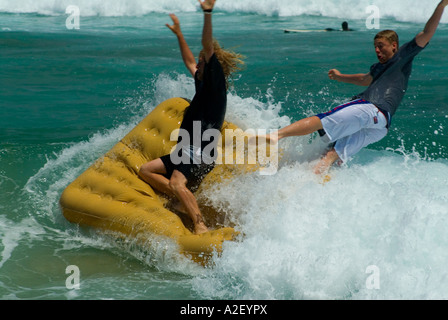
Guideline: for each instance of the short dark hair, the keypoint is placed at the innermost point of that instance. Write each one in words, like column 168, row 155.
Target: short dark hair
column 389, row 35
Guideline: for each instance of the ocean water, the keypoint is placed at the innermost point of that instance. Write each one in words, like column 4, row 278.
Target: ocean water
column 377, row 230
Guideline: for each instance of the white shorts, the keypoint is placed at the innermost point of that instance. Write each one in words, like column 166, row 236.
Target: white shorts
column 353, row 126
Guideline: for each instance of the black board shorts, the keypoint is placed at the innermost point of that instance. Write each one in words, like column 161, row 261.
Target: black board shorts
column 194, row 173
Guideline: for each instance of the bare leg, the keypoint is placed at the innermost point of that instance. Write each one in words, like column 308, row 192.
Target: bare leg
column 326, row 162
column 152, row 172
column 300, row 128
column 178, row 186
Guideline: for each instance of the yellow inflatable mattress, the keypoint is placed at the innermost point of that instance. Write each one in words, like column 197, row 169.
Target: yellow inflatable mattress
column 110, row 195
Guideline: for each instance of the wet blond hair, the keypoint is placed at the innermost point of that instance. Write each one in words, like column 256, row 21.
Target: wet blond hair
column 230, row 61
column 389, row 35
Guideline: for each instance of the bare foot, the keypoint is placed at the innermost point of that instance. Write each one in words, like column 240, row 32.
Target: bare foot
column 321, row 168
column 272, row 138
column 326, row 162
column 268, row 138
column 200, row 228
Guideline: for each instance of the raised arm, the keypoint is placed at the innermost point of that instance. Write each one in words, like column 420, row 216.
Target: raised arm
column 360, row 79
column 187, row 55
column 207, row 32
column 425, row 36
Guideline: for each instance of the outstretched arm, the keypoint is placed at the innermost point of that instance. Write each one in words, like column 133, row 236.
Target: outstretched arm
column 207, row 32
column 425, row 36
column 359, row 79
column 187, row 55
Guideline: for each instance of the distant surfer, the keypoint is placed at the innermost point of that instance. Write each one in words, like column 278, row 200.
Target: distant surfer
column 367, row 117
column 344, row 27
column 208, row 107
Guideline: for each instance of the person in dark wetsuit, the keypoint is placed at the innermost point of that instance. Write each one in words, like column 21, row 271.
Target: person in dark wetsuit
column 180, row 173
column 366, row 119
column 344, row 26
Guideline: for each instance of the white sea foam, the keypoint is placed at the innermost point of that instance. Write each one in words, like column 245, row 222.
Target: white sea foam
column 409, row 11
column 308, row 240
column 303, row 239
column 12, row 232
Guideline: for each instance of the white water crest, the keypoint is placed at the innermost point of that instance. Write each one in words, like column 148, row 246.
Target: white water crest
column 408, row 11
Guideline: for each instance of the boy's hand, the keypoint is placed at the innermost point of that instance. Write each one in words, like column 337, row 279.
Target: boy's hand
column 333, row 74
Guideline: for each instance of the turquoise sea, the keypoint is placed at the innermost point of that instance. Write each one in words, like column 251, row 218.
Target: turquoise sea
column 68, row 95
